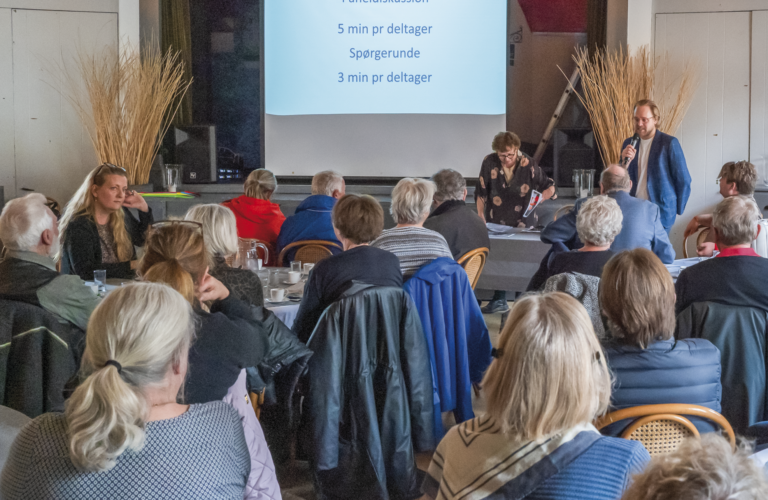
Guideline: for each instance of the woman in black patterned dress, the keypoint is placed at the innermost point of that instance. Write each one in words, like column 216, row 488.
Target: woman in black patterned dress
column 503, row 191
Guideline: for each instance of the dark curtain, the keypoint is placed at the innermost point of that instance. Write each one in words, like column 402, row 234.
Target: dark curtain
column 597, row 25
column 176, row 35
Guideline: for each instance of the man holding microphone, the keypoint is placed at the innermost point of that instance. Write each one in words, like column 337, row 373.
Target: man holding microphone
column 656, row 164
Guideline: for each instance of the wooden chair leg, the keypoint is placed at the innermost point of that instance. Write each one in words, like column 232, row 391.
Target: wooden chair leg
column 504, row 317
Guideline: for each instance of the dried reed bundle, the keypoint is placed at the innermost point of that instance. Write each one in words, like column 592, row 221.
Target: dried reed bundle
column 127, row 103
column 613, row 81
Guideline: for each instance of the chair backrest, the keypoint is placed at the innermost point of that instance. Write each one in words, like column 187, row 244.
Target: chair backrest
column 457, row 337
column 376, row 331
column 38, row 355
column 473, row 263
column 662, row 428
column 739, row 333
column 583, row 288
column 309, row 251
column 702, row 235
column 562, row 211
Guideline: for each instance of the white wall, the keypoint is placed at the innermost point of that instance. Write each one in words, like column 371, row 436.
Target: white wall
column 534, row 83
column 43, row 145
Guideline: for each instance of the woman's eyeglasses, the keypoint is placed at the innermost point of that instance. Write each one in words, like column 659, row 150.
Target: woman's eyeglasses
column 170, row 223
column 109, row 165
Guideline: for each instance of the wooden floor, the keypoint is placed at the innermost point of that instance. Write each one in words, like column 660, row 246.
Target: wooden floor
column 297, row 483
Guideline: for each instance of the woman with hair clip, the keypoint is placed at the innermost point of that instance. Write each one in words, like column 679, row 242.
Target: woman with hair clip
column 257, row 217
column 229, row 338
column 97, row 230
column 124, row 433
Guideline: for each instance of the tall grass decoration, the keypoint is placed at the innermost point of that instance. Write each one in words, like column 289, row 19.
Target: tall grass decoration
column 612, row 81
column 127, row 103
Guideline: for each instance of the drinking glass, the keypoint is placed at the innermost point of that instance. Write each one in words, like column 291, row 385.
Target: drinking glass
column 274, row 277
column 173, row 177
column 296, row 266
column 100, row 278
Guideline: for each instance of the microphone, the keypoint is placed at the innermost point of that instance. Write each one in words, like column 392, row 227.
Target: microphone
column 633, row 142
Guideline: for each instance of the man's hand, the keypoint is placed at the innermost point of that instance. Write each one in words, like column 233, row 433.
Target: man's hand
column 211, row 289
column 135, row 200
column 706, row 249
column 629, row 152
column 548, row 193
column 524, row 161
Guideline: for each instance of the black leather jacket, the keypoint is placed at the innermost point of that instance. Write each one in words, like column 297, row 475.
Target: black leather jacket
column 371, row 399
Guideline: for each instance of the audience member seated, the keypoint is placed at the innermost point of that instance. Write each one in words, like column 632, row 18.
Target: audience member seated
column 641, row 220
column 123, row 434
column 413, row 244
column 735, row 178
column 30, row 233
column 462, row 227
column 257, row 217
column 701, row 469
column 97, row 230
column 736, row 277
column 649, row 366
column 228, row 337
column 357, row 220
column 220, row 236
column 598, row 223
column 547, row 384
column 312, row 219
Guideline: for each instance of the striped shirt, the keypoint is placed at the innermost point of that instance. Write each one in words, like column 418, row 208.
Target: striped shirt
column 414, row 246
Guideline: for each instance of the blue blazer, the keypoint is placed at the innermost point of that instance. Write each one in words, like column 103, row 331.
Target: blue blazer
column 311, row 221
column 641, row 228
column 669, row 183
column 457, row 339
column 668, row 371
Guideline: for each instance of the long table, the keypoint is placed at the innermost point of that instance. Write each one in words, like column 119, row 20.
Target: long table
column 513, row 260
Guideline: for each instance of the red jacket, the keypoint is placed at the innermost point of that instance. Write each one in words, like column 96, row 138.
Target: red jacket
column 260, row 219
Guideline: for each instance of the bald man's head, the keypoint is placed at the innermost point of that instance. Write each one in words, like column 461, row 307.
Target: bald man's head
column 615, row 178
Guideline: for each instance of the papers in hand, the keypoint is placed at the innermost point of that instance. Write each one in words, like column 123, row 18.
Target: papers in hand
column 536, row 198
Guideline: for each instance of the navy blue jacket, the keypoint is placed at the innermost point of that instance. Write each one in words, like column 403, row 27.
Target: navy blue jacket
column 311, row 221
column 641, row 228
column 669, row 183
column 457, row 338
column 668, row 371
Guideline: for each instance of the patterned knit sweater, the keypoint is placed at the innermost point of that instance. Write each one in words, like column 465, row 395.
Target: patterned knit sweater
column 199, row 454
column 414, row 246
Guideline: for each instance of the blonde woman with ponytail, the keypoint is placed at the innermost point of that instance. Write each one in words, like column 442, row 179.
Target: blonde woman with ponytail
column 98, row 231
column 229, row 338
column 124, row 433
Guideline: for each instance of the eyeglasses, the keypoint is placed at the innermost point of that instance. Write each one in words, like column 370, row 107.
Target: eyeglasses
column 110, row 165
column 197, row 226
column 507, row 156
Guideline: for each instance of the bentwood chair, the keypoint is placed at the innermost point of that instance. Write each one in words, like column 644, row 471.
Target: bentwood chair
column 700, row 238
column 309, row 251
column 473, row 263
column 662, row 428
column 562, row 211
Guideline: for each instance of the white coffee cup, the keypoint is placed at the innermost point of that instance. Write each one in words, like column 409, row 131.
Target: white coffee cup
column 294, row 276
column 276, row 295
column 308, row 267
